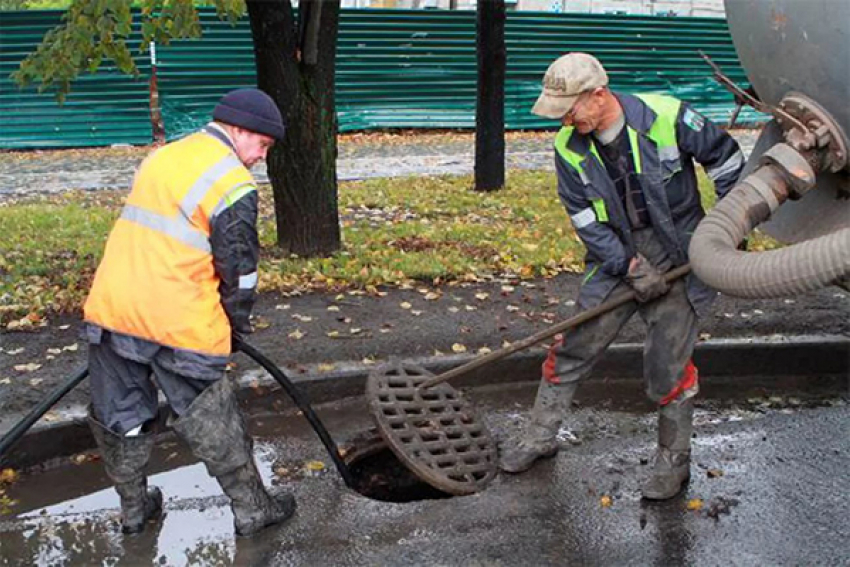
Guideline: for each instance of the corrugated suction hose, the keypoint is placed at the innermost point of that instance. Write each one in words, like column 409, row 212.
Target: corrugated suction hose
column 796, row 269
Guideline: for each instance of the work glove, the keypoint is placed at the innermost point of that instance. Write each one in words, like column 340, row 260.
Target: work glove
column 238, row 334
column 647, row 282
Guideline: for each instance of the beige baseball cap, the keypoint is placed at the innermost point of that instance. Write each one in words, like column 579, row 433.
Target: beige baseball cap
column 565, row 79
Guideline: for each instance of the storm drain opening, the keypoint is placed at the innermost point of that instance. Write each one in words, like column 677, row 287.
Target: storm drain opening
column 378, row 474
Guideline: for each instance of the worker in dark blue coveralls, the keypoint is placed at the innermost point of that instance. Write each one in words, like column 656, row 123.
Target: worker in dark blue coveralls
column 626, row 176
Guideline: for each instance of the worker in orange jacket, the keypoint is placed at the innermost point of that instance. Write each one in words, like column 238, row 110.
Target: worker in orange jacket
column 176, row 283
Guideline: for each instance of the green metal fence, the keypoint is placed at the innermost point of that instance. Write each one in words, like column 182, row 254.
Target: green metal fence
column 106, row 108
column 395, row 69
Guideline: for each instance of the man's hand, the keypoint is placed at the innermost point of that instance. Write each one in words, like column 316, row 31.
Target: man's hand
column 647, row 282
column 238, row 334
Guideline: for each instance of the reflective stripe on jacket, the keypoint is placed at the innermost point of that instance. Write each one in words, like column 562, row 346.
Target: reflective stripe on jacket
column 157, row 280
column 666, row 136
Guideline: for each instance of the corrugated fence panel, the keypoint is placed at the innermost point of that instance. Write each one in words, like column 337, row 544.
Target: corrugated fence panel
column 414, row 69
column 193, row 74
column 395, row 69
column 640, row 53
column 102, row 109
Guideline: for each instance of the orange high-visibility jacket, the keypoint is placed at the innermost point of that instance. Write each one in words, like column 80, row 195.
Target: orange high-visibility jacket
column 157, row 279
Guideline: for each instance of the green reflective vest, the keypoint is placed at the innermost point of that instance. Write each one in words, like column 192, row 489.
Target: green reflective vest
column 662, row 134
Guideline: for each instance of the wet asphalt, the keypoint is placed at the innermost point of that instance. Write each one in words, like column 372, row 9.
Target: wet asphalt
column 769, row 487
column 51, row 172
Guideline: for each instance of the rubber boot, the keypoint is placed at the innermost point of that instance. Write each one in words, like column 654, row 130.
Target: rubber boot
column 672, row 467
column 214, row 429
column 540, row 441
column 124, row 459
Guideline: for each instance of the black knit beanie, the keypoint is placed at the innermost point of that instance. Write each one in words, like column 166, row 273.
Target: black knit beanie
column 251, row 109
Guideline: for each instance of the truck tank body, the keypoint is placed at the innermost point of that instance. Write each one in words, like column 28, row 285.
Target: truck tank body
column 799, row 46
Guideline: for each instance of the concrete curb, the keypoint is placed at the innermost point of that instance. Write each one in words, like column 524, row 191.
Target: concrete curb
column 727, row 367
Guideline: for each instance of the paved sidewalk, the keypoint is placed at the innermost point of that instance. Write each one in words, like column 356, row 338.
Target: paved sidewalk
column 361, row 156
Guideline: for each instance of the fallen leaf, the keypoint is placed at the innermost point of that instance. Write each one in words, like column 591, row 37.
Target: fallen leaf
column 315, row 466
column 64, row 327
column 453, row 309
column 484, row 350
column 296, row 334
column 695, row 504
column 332, row 334
column 605, row 501
column 333, row 308
column 482, row 295
column 506, row 343
column 27, row 367
column 457, row 347
column 8, row 476
column 368, row 361
column 415, row 312
column 282, row 306
column 470, row 307
column 512, row 308
column 405, row 305
column 54, row 351
column 508, row 288
column 71, row 348
column 15, row 351
column 326, row 367
column 355, row 330
column 714, row 473
column 432, row 296
column 302, row 318
column 5, row 381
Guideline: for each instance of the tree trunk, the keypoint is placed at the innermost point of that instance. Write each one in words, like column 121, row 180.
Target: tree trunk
column 490, row 107
column 302, row 168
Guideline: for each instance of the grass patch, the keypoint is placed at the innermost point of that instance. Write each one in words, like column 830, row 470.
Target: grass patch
column 395, row 231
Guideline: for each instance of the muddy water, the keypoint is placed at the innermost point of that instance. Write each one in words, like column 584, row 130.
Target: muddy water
column 773, row 497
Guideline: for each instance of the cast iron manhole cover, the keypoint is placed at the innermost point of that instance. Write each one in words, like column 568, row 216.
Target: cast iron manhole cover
column 434, row 432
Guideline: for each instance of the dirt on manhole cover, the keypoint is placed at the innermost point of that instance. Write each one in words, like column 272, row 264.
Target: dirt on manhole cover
column 434, row 432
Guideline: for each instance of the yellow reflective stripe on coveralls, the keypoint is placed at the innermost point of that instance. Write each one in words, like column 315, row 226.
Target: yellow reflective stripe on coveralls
column 176, row 228
column 179, row 226
column 205, row 182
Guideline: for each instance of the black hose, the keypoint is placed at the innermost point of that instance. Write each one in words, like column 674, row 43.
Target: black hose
column 303, row 405
column 14, row 434
column 57, row 394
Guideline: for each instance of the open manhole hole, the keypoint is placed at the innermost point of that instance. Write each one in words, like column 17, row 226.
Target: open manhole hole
column 378, row 474
column 429, row 443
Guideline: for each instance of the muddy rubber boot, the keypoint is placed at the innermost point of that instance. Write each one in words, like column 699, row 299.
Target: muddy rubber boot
column 214, row 429
column 253, row 507
column 672, row 467
column 540, row 441
column 124, row 459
